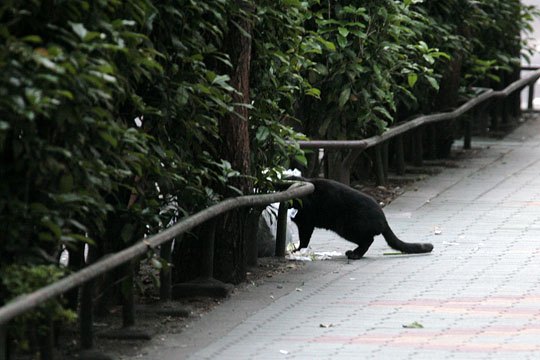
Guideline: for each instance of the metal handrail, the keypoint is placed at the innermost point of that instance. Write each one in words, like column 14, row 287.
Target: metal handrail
column 421, row 120
column 27, row 302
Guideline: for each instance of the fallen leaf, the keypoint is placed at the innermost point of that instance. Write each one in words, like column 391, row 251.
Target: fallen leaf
column 413, row 325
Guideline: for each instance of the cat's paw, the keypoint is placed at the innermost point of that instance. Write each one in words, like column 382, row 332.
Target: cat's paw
column 351, row 255
column 426, row 247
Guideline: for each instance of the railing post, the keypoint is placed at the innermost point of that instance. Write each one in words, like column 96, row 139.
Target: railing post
column 46, row 340
column 76, row 262
column 208, row 233
column 379, row 167
column 384, row 154
column 128, row 330
column 252, row 225
column 432, row 141
column 4, row 355
column 347, row 163
column 400, row 156
column 467, row 131
column 86, row 316
column 418, row 149
column 531, row 96
column 86, row 310
column 128, row 301
column 495, row 112
column 281, row 233
column 205, row 285
column 165, row 278
column 505, row 118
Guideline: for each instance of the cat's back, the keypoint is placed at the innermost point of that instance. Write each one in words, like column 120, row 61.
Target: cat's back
column 340, row 208
column 333, row 194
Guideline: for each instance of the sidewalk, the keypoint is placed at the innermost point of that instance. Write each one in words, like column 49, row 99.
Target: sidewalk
column 477, row 295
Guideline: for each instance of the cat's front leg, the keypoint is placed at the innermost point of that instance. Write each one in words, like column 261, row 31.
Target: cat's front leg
column 304, row 233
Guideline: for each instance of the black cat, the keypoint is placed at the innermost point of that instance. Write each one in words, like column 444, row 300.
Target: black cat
column 351, row 214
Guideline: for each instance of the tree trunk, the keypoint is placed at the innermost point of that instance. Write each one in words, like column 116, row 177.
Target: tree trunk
column 230, row 257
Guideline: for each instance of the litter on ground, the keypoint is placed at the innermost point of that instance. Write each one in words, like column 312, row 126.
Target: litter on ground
column 307, row 255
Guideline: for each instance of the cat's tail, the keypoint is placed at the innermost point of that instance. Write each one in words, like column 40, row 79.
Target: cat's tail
column 408, row 248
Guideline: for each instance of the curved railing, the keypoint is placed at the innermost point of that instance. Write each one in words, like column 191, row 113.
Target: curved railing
column 30, row 301
column 357, row 146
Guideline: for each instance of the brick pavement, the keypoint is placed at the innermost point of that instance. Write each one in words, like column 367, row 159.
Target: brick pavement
column 477, row 295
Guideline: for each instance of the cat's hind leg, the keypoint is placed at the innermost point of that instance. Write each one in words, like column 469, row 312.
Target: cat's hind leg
column 363, row 245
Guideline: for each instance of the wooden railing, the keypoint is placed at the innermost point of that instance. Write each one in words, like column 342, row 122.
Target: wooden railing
column 356, row 147
column 83, row 277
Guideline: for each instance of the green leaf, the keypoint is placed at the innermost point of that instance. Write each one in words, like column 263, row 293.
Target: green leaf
column 342, row 41
column 91, row 35
column 429, row 59
column 79, row 29
column 294, row 3
column 324, row 126
column 78, row 225
column 301, row 159
column 53, row 227
column 384, row 112
column 127, row 233
column 327, row 44
column 66, row 183
column 313, row 92
column 39, row 207
column 411, row 79
column 344, row 97
column 223, row 81
column 108, row 138
column 77, row 238
column 66, row 93
column 262, row 133
column 433, row 82
column 343, row 31
column 33, row 39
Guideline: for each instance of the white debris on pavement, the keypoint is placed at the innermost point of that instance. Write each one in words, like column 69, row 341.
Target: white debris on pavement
column 308, row 255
